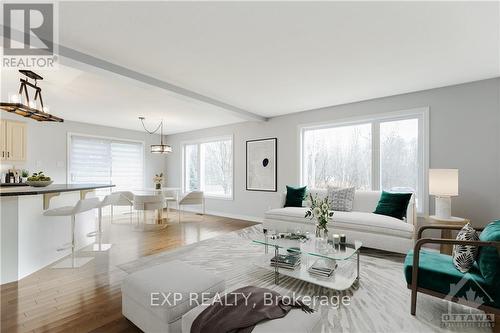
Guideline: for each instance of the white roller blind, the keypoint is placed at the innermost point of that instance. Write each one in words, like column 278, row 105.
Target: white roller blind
column 106, row 161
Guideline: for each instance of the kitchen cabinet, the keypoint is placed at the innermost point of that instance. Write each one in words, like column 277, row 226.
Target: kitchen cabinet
column 13, row 140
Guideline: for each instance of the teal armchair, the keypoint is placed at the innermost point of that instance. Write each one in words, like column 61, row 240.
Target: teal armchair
column 433, row 273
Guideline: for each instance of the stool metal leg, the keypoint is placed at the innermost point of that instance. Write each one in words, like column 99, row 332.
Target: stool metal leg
column 73, row 261
column 99, row 246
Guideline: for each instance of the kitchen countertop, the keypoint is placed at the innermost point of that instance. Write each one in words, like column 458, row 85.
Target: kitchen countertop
column 6, row 191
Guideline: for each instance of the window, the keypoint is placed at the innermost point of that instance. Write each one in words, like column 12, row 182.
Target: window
column 338, row 155
column 106, row 161
column 208, row 167
column 380, row 153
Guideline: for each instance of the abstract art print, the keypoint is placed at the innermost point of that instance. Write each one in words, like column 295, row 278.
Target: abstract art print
column 262, row 165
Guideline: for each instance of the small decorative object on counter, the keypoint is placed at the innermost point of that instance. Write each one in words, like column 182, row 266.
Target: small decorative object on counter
column 158, row 180
column 336, row 239
column 320, row 211
column 342, row 239
column 24, row 175
column 39, row 180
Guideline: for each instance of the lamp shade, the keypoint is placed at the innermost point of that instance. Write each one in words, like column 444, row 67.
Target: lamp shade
column 443, row 182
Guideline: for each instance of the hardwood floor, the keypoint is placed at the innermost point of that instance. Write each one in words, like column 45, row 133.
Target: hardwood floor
column 88, row 299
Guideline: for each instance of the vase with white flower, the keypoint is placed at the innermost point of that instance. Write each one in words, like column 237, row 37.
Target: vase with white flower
column 321, row 212
column 158, row 181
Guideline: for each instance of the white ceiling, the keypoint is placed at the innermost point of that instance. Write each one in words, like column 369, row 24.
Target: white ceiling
column 267, row 58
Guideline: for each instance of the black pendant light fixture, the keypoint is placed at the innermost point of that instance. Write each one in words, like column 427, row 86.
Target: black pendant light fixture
column 22, row 105
column 161, row 148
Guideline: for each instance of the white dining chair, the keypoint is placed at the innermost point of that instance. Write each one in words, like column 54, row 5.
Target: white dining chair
column 124, row 199
column 145, row 202
column 171, row 199
column 192, row 198
column 81, row 206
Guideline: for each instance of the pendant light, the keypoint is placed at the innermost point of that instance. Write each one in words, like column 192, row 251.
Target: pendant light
column 28, row 108
column 161, row 148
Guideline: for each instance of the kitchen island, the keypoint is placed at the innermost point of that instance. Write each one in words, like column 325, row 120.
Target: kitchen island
column 29, row 240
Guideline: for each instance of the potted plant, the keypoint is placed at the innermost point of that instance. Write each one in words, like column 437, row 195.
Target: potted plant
column 158, row 181
column 24, row 175
column 321, row 212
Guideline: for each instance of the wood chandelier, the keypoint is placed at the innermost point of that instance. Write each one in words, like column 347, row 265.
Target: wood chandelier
column 33, row 109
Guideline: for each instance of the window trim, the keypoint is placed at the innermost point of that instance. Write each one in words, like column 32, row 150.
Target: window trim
column 198, row 142
column 422, row 113
column 68, row 152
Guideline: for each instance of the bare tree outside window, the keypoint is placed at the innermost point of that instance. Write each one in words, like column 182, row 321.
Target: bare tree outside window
column 208, row 167
column 338, row 156
column 399, row 155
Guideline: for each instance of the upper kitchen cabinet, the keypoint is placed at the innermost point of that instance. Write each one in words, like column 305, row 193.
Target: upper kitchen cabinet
column 13, row 140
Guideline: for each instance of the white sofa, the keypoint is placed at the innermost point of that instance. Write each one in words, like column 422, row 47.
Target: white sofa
column 373, row 230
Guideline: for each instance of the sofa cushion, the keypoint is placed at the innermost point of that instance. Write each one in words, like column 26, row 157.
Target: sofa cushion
column 489, row 260
column 437, row 273
column 464, row 256
column 341, row 199
column 295, row 196
column 361, row 221
column 171, row 277
column 393, row 204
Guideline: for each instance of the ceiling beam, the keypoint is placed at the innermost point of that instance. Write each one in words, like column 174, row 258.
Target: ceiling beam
column 147, row 79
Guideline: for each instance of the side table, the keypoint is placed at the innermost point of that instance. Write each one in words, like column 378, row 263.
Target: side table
column 446, row 234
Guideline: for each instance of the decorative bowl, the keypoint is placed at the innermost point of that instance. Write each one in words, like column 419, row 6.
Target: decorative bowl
column 39, row 183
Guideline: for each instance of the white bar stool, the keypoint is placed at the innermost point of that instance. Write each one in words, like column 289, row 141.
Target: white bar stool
column 108, row 200
column 80, row 207
column 147, row 202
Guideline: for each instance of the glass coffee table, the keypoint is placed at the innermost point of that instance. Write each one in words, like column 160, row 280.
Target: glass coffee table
column 313, row 252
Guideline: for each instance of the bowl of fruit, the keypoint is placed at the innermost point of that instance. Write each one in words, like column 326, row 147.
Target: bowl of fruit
column 39, row 180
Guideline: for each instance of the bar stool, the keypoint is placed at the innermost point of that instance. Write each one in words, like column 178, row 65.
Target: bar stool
column 108, row 200
column 80, row 207
column 147, row 202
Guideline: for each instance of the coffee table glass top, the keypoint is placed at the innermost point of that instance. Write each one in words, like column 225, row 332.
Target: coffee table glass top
column 313, row 246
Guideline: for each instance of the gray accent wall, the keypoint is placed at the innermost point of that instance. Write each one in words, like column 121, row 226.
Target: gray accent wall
column 464, row 134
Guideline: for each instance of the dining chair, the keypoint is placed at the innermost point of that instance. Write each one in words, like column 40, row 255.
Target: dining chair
column 125, row 199
column 192, row 198
column 145, row 202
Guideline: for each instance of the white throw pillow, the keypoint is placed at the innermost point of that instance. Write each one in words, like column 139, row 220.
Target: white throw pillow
column 341, row 199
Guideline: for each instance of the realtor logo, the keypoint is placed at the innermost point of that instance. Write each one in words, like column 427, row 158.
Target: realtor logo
column 28, row 35
column 472, row 301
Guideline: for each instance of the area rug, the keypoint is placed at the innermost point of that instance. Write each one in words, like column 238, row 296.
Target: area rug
column 379, row 303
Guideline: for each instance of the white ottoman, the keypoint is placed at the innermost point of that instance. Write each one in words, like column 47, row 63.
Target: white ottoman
column 296, row 321
column 143, row 293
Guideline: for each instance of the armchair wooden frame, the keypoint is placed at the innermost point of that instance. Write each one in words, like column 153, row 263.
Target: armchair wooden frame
column 416, row 256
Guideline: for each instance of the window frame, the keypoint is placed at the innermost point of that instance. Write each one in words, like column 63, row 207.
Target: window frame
column 198, row 142
column 421, row 113
column 116, row 139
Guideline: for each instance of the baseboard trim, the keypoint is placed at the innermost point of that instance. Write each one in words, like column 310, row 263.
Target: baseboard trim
column 224, row 214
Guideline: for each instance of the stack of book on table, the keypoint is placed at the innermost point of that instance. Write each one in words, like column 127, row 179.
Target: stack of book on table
column 288, row 261
column 323, row 267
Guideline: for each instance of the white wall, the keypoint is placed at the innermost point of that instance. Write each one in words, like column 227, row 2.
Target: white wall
column 464, row 134
column 47, row 146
